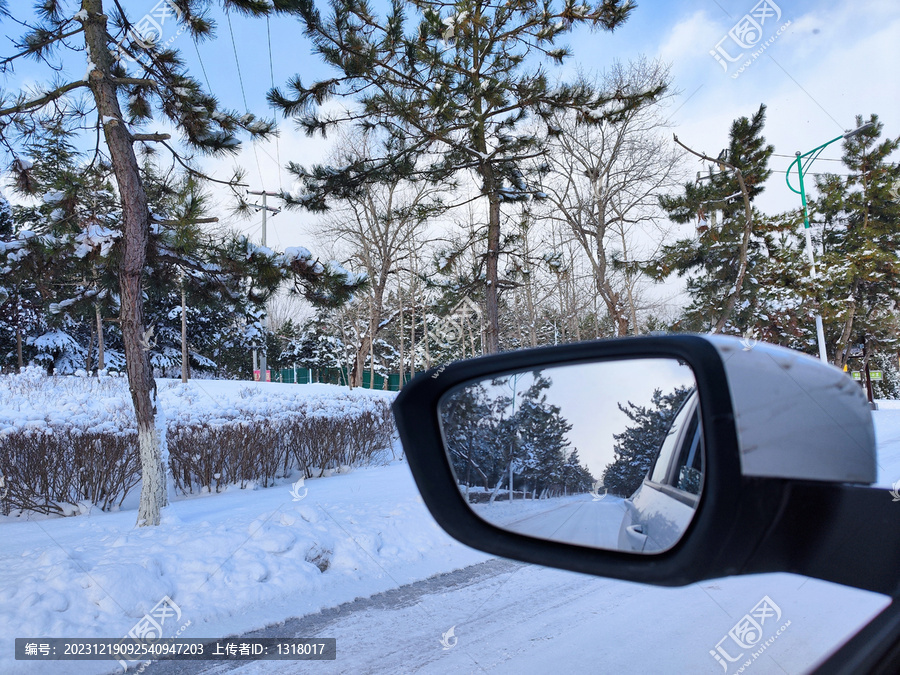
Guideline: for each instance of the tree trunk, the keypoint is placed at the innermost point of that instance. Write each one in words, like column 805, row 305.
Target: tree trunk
column 359, row 362
column 742, row 257
column 412, row 336
column 367, row 343
column 869, row 393
column 21, row 360
column 532, row 318
column 400, row 336
column 21, row 363
column 492, row 307
column 101, row 345
column 629, row 285
column 841, row 351
column 496, row 490
column 185, row 365
column 89, row 357
column 425, row 330
column 136, row 226
column 372, row 362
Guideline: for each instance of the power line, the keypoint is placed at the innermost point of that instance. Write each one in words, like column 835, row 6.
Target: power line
column 845, row 175
column 272, row 80
column 202, row 67
column 821, row 159
column 237, row 63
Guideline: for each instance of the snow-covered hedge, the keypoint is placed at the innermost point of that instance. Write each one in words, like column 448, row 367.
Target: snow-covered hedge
column 70, row 442
column 266, row 432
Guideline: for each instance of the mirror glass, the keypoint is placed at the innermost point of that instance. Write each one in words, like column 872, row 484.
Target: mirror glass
column 607, row 454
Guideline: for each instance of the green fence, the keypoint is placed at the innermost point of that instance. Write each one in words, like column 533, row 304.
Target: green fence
column 338, row 376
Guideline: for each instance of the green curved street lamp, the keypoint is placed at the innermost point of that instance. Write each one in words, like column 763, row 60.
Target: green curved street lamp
column 801, row 169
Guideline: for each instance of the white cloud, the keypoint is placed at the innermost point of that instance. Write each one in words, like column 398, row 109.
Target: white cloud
column 832, row 63
column 689, row 41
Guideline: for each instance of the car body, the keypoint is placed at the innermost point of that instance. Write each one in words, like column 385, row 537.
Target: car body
column 660, row 510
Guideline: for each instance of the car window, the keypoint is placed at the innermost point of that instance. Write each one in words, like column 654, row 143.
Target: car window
column 689, row 469
column 660, row 470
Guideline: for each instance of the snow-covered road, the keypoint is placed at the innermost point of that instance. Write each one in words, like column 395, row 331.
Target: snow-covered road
column 513, row 618
column 582, row 521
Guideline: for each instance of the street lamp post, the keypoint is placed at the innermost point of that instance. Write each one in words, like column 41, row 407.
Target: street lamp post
column 801, row 169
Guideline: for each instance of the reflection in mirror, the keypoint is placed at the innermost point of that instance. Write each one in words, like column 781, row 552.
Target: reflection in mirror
column 606, row 454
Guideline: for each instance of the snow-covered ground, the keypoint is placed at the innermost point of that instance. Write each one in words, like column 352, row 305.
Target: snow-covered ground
column 231, row 562
column 244, row 559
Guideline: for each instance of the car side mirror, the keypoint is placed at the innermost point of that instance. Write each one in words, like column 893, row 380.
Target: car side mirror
column 697, row 457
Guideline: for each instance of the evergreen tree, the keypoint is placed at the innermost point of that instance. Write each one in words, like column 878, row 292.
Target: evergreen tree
column 783, row 311
column 724, row 262
column 459, row 89
column 468, row 430
column 540, row 430
column 576, row 476
column 21, row 315
column 126, row 103
column 636, row 448
column 859, row 284
column 510, row 427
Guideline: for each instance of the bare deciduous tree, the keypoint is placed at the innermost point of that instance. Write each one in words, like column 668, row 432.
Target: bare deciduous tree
column 602, row 182
column 377, row 224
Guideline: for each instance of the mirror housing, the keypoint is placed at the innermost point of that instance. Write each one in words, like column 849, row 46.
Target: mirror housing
column 785, row 435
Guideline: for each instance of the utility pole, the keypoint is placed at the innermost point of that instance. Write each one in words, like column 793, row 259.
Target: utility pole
column 265, row 209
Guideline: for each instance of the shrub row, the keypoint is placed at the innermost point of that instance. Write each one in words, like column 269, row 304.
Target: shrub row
column 58, row 469
column 211, row 455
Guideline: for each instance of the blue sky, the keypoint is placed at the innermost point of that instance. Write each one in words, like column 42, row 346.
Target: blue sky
column 833, row 60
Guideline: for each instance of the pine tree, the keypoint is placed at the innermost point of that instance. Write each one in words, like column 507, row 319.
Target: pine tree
column 723, row 263
column 860, row 269
column 637, row 447
column 540, row 430
column 469, row 433
column 21, row 317
column 127, row 102
column 576, row 477
column 459, row 90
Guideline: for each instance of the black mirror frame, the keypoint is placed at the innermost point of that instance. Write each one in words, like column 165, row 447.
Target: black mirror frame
column 416, row 413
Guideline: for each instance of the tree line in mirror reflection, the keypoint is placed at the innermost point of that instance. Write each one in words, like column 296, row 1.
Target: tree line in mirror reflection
column 508, row 429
